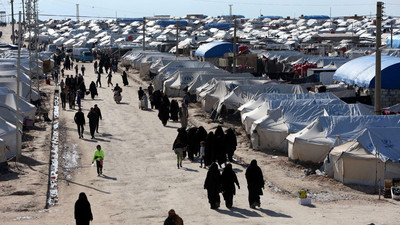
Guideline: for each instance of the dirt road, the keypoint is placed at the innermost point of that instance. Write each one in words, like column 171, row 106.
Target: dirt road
column 141, row 181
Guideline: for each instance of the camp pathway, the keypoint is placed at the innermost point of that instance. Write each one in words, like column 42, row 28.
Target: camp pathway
column 141, row 182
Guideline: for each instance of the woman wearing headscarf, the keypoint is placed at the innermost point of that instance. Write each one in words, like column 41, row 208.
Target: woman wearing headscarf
column 173, row 218
column 93, row 89
column 209, row 150
column 229, row 180
column 163, row 112
column 220, row 152
column 230, row 143
column 174, row 110
column 192, row 143
column 255, row 184
column 213, row 186
column 83, row 212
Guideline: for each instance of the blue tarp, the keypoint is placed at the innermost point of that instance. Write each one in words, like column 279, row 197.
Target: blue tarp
column 220, row 26
column 129, row 20
column 396, row 41
column 361, row 72
column 228, row 16
column 270, row 17
column 215, row 49
column 165, row 23
column 316, row 17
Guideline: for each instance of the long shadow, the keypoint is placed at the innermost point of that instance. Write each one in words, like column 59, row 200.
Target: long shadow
column 106, row 135
column 30, row 161
column 124, row 103
column 273, row 214
column 86, row 186
column 108, row 178
column 237, row 170
column 246, row 212
column 190, row 170
column 9, row 176
column 230, row 213
column 95, row 100
column 172, row 127
column 100, row 139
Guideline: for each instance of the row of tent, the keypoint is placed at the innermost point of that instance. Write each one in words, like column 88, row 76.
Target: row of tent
column 310, row 127
column 8, row 100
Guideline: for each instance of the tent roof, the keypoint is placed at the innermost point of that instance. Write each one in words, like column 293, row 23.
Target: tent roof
column 361, row 72
column 396, row 41
column 215, row 49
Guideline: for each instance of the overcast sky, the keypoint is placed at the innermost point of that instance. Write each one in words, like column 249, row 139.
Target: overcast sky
column 248, row 8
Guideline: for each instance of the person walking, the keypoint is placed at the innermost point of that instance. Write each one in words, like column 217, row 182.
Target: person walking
column 109, row 76
column 93, row 89
column 76, row 69
column 99, row 117
column 140, row 93
column 83, row 212
column 62, row 84
column 255, row 183
column 83, row 68
column 150, row 89
column 173, row 219
column 93, row 117
column 71, row 99
column 98, row 81
column 79, row 98
column 230, row 143
column 163, row 112
column 63, row 97
column 174, row 110
column 125, row 78
column 95, row 66
column 229, row 180
column 184, row 115
column 80, row 122
column 98, row 157
column 202, row 154
column 179, row 148
column 213, row 186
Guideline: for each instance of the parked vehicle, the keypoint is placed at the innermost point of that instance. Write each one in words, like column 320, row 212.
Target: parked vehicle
column 82, row 54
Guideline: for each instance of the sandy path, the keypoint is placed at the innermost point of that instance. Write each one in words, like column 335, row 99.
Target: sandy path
column 142, row 182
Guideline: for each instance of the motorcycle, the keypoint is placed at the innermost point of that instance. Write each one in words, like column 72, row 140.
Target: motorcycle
column 117, row 96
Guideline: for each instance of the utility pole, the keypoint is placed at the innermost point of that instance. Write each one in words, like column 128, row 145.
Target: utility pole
column 17, row 139
column 12, row 22
column 230, row 10
column 378, row 58
column 77, row 12
column 144, row 33
column 177, row 39
column 29, row 18
column 36, row 13
column 23, row 14
column 391, row 34
column 234, row 46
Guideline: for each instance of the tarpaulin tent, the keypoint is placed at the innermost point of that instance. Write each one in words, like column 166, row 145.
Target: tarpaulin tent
column 215, row 49
column 361, row 72
column 255, row 103
column 174, row 85
column 276, row 125
column 8, row 134
column 25, row 91
column 3, row 151
column 358, row 161
column 27, row 110
column 204, row 78
column 165, row 23
column 395, row 43
column 316, row 17
column 219, row 26
column 314, row 142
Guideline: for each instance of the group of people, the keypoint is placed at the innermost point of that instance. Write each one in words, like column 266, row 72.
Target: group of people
column 73, row 90
column 224, row 183
column 208, row 147
column 94, row 117
column 170, row 109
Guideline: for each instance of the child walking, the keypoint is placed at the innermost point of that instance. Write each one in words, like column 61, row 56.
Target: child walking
column 202, row 153
column 99, row 157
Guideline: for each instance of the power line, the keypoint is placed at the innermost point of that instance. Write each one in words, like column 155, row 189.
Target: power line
column 286, row 4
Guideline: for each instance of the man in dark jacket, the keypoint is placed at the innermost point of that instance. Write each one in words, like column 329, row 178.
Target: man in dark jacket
column 140, row 93
column 93, row 118
column 80, row 122
column 83, row 212
column 173, row 219
column 98, row 112
column 255, row 184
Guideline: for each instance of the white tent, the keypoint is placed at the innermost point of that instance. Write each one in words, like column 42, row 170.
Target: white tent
column 7, row 133
column 204, row 78
column 275, row 125
column 27, row 110
column 13, row 73
column 243, row 94
column 179, row 80
column 314, row 142
column 161, row 62
column 25, row 90
column 255, row 103
column 358, row 161
column 166, row 71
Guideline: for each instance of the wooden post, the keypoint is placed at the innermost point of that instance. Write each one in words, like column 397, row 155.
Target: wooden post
column 144, row 33
column 234, row 46
column 177, row 39
column 378, row 83
column 17, row 139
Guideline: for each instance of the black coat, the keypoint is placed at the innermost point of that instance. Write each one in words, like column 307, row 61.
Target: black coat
column 255, row 178
column 209, row 150
column 230, row 141
column 219, row 147
column 93, row 89
column 192, row 142
column 183, row 136
column 174, row 110
column 229, row 180
column 163, row 112
column 79, row 118
column 213, row 184
column 83, row 212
